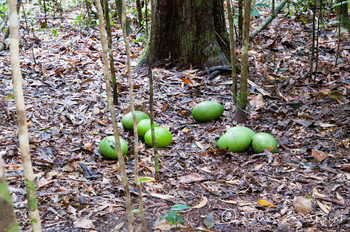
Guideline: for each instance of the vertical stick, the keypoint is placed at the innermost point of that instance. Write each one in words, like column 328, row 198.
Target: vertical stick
column 150, row 77
column 232, row 52
column 128, row 204
column 22, row 120
column 110, row 53
column 243, row 94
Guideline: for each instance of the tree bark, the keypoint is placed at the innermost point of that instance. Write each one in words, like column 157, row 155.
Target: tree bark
column 188, row 34
column 241, row 105
column 343, row 17
column 8, row 221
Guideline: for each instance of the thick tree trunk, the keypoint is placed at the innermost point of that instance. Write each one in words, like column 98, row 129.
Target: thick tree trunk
column 343, row 17
column 188, row 34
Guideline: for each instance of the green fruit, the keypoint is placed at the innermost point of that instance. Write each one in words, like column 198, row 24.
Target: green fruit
column 108, row 147
column 143, row 126
column 162, row 135
column 207, row 110
column 235, row 141
column 241, row 128
column 262, row 141
column 127, row 120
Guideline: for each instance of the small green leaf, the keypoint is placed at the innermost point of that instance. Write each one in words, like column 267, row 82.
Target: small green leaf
column 10, row 98
column 146, row 179
column 171, row 217
column 284, row 69
column 164, row 216
column 180, row 220
column 180, row 207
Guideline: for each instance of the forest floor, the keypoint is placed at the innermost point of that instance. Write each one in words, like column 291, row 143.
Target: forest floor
column 68, row 116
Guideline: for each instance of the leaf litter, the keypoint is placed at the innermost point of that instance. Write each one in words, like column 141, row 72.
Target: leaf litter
column 79, row 190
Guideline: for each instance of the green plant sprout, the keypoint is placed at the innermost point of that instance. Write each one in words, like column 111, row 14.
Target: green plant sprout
column 173, row 216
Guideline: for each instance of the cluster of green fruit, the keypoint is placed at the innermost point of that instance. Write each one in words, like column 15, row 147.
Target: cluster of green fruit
column 162, row 135
column 238, row 138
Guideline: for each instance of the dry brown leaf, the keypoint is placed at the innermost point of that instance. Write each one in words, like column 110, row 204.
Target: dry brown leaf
column 186, row 81
column 340, row 198
column 231, row 181
column 257, row 167
column 257, row 101
column 316, row 193
column 230, row 202
column 319, row 155
column 164, row 225
column 199, row 145
column 193, row 177
column 324, row 207
column 202, row 203
column 161, row 196
column 84, row 223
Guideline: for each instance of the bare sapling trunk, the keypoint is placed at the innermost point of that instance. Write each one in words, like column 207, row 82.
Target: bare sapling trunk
column 121, row 161
column 8, row 220
column 22, row 120
column 232, row 52
column 132, row 108
column 110, row 53
column 139, row 12
column 150, row 78
column 268, row 20
column 241, row 105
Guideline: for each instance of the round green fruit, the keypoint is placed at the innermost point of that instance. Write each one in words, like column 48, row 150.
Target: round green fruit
column 162, row 135
column 143, row 126
column 262, row 141
column 207, row 110
column 108, row 147
column 241, row 128
column 235, row 141
column 127, row 120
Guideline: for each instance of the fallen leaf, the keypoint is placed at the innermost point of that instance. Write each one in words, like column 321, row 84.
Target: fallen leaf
column 202, row 203
column 319, row 155
column 209, row 220
column 186, row 81
column 316, row 193
column 230, row 202
column 84, row 223
column 340, row 198
column 199, row 145
column 164, row 225
column 257, row 102
column 193, row 177
column 326, row 125
column 231, row 181
column 257, row 167
column 324, row 207
column 324, row 92
column 248, row 209
column 146, row 179
column 161, row 196
column 266, row 203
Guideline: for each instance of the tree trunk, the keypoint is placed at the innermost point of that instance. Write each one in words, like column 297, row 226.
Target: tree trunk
column 343, row 17
column 188, row 34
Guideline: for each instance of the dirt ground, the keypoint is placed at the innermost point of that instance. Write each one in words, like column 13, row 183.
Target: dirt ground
column 68, row 116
